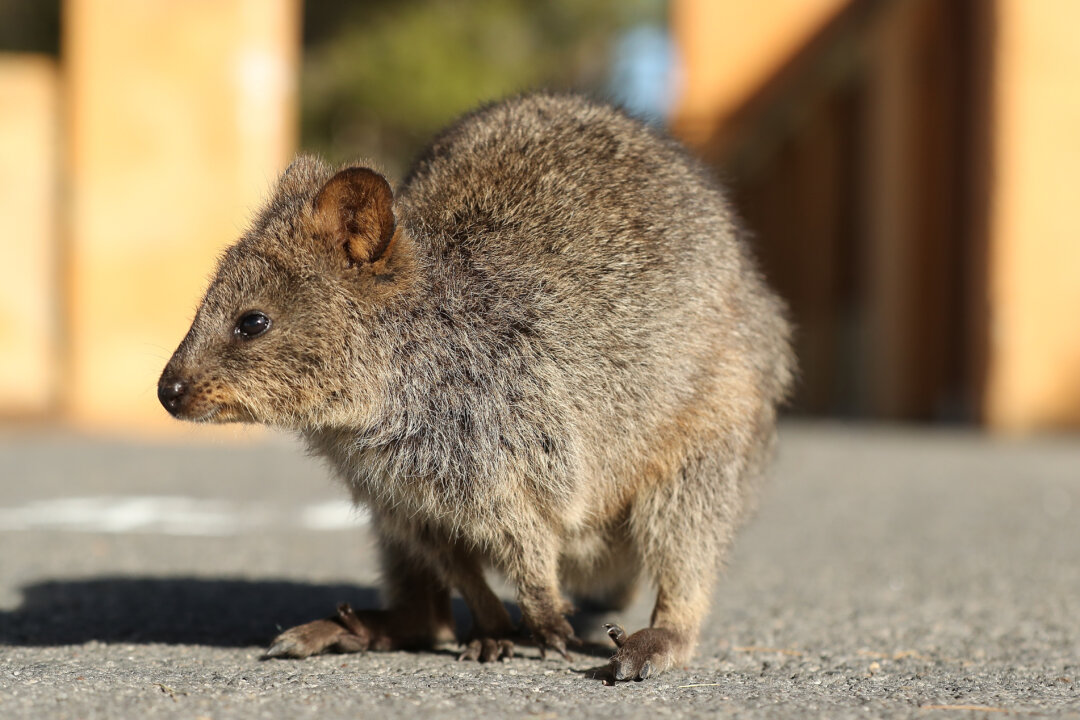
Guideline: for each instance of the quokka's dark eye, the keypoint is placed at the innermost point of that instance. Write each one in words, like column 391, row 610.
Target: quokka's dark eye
column 251, row 325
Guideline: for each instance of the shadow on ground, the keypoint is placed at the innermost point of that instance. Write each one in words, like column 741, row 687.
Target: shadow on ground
column 197, row 611
column 191, row 611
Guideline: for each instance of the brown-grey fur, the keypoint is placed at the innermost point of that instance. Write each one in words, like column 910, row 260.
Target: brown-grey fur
column 564, row 365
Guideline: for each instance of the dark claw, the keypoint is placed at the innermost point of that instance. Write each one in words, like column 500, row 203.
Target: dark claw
column 488, row 650
column 347, row 617
column 278, row 649
column 552, row 642
column 554, row 634
column 616, row 633
column 472, row 651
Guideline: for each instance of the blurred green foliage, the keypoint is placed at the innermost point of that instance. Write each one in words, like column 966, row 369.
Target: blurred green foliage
column 380, row 78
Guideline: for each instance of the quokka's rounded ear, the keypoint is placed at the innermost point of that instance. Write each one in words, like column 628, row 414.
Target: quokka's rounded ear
column 354, row 209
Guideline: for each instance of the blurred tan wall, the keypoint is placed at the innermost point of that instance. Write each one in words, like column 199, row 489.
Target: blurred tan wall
column 179, row 115
column 29, row 154
column 1034, row 251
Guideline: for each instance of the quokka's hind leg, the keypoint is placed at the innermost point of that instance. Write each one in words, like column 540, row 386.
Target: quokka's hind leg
column 418, row 614
column 491, row 637
column 682, row 528
column 458, row 568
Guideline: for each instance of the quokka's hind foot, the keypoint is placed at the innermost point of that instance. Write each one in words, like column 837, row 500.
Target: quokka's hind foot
column 343, row 632
column 646, row 653
column 349, row 631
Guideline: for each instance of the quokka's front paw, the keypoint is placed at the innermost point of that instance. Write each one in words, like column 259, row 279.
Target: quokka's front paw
column 556, row 634
column 646, row 653
column 344, row 632
column 488, row 649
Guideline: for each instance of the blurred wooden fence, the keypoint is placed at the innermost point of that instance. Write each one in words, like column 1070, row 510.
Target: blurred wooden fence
column 908, row 167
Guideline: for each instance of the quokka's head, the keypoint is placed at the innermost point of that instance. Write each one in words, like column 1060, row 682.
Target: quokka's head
column 292, row 329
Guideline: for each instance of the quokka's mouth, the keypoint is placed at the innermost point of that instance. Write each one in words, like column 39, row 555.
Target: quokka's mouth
column 208, row 416
column 211, row 413
column 219, row 414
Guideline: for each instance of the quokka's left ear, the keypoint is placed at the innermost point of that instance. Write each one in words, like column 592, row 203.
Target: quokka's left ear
column 354, row 211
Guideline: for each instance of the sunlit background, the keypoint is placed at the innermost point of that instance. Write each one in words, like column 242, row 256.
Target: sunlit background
column 906, row 166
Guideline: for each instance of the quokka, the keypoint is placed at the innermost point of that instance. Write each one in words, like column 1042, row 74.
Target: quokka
column 548, row 352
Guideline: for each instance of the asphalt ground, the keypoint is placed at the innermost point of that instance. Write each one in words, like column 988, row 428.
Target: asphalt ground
column 889, row 573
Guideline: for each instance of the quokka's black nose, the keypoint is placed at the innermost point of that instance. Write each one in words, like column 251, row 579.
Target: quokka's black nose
column 170, row 392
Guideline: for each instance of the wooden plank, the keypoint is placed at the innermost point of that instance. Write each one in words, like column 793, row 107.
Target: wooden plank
column 1033, row 378
column 29, row 156
column 914, row 230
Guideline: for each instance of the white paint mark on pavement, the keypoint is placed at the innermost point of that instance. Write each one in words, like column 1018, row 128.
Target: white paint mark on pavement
column 332, row 515
column 171, row 515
